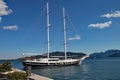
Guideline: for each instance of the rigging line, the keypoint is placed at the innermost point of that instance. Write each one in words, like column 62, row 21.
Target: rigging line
column 23, row 38
column 73, row 26
column 33, row 24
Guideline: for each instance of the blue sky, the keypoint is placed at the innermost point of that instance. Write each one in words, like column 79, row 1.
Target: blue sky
column 92, row 26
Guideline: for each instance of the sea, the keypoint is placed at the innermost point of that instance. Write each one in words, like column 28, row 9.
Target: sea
column 90, row 69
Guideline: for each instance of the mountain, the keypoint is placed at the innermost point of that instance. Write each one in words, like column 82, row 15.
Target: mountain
column 61, row 55
column 108, row 53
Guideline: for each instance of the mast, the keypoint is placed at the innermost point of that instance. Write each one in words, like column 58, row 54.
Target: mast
column 48, row 31
column 64, row 22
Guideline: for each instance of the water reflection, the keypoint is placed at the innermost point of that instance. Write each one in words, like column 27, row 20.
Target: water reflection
column 63, row 71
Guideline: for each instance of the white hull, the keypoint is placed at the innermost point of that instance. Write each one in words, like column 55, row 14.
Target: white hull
column 52, row 62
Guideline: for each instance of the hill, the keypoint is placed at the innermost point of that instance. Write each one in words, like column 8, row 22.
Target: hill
column 108, row 53
column 61, row 55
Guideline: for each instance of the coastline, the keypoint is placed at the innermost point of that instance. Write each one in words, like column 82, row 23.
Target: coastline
column 14, row 68
column 30, row 77
column 33, row 76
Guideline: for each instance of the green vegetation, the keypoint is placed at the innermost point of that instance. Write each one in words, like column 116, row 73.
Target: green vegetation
column 6, row 66
column 17, row 76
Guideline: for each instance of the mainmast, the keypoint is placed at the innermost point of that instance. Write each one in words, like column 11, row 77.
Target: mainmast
column 64, row 21
column 48, row 31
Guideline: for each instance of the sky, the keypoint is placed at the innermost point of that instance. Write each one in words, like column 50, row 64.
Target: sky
column 92, row 26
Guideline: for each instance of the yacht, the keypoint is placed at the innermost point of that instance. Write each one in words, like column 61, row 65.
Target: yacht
column 54, row 61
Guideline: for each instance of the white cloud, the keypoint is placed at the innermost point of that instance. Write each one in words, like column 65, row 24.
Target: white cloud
column 77, row 37
column 4, row 10
column 13, row 27
column 101, row 25
column 115, row 14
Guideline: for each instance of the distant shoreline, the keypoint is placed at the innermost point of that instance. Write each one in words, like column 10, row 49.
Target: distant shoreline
column 7, row 59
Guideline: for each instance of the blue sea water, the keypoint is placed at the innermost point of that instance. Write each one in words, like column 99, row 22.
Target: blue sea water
column 90, row 69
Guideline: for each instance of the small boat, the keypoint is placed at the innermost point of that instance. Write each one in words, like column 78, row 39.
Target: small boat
column 54, row 61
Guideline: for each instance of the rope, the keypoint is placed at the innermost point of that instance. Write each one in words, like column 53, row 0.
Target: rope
column 33, row 24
